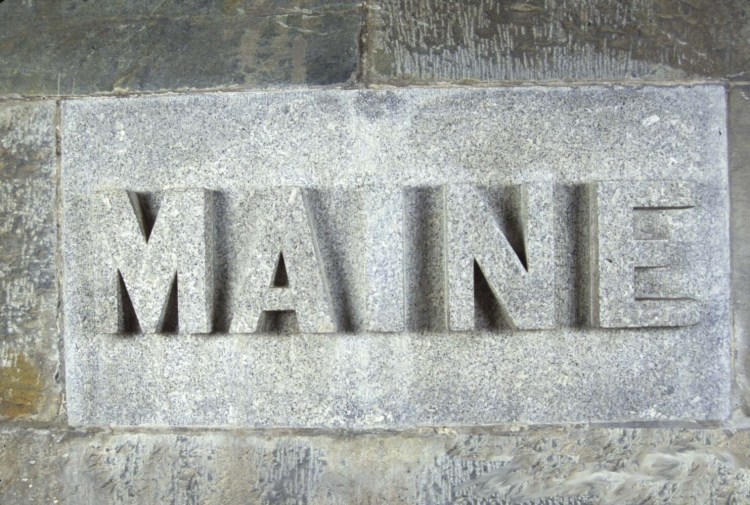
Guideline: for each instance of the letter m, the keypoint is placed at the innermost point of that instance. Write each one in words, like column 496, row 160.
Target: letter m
column 147, row 274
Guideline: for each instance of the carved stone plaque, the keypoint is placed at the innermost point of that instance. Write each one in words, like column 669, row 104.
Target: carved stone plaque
column 394, row 258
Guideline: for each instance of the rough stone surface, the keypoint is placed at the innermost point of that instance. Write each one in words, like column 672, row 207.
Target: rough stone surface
column 31, row 466
column 565, row 466
column 739, row 130
column 29, row 362
column 79, row 47
column 434, row 40
column 69, row 47
column 235, row 144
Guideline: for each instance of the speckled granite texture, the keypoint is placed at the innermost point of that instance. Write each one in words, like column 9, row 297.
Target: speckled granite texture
column 531, row 156
column 388, row 342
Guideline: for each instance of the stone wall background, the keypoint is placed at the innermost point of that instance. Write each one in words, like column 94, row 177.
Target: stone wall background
column 52, row 49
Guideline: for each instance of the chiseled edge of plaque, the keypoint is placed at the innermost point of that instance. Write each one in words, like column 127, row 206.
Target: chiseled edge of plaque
column 347, row 150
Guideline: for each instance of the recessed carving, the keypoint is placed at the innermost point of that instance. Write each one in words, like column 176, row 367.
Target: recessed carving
column 384, row 264
column 497, row 265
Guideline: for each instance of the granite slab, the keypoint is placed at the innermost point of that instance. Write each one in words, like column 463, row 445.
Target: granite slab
column 391, row 258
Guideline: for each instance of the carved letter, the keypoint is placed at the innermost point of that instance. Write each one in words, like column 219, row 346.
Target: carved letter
column 384, row 215
column 525, row 290
column 178, row 250
column 620, row 259
column 283, row 238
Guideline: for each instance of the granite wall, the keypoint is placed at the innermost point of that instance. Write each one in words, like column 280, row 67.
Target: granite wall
column 55, row 51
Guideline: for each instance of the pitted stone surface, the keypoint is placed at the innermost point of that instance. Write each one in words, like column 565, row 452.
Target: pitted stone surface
column 345, row 152
column 739, row 121
column 385, row 259
column 284, row 268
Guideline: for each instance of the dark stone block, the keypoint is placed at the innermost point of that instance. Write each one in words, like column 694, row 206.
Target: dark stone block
column 434, row 40
column 75, row 47
column 29, row 362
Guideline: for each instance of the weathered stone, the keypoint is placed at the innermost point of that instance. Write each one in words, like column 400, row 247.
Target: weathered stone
column 242, row 145
column 31, row 466
column 739, row 154
column 560, row 466
column 29, row 362
column 584, row 40
column 76, row 47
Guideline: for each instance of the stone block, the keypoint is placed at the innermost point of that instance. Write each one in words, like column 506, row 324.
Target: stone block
column 739, row 154
column 29, row 337
column 75, row 47
column 542, row 40
column 472, row 206
column 31, row 466
column 559, row 466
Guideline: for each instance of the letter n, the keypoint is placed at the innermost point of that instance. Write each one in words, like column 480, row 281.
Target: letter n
column 522, row 280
